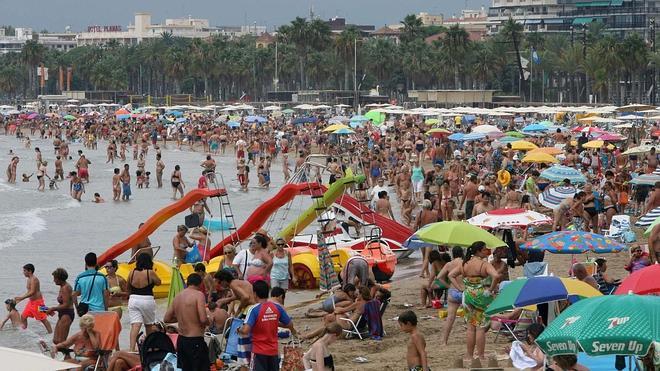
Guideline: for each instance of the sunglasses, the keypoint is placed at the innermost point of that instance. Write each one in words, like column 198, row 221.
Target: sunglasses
column 281, row 244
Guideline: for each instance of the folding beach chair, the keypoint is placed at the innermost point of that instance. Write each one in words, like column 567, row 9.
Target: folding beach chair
column 517, row 328
column 109, row 326
column 360, row 328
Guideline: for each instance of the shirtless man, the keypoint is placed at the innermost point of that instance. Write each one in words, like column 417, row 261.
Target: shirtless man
column 654, row 198
column 125, row 178
column 483, row 205
column 470, row 192
column 651, row 161
column 83, row 168
column 188, row 311
column 512, row 197
column 59, row 169
column 143, row 246
column 116, row 185
column 241, row 290
column 160, row 166
column 654, row 243
column 383, row 206
column 35, row 299
column 209, row 164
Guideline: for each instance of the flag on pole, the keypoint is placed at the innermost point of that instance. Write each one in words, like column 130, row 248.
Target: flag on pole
column 535, row 57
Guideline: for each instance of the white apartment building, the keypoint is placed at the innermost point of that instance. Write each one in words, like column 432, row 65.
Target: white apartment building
column 59, row 41
column 535, row 15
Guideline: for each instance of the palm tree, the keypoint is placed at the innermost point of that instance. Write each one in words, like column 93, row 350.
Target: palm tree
column 297, row 33
column 32, row 54
column 513, row 31
column 456, row 44
column 570, row 61
column 345, row 44
column 634, row 55
column 412, row 28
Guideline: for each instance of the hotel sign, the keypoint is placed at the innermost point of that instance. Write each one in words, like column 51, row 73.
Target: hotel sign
column 103, row 28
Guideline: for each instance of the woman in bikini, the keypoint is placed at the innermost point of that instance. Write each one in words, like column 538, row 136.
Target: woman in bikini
column 85, row 343
column 64, row 309
column 454, row 293
column 446, row 206
column 479, row 287
column 117, row 286
column 177, row 182
column 76, row 186
column 261, row 263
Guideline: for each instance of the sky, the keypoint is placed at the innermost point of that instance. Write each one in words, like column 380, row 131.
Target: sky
column 55, row 15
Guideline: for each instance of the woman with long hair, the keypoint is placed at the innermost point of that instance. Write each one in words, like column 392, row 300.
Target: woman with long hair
column 479, row 285
column 141, row 303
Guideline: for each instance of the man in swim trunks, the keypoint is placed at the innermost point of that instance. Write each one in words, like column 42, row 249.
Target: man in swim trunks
column 125, row 178
column 33, row 308
column 188, row 310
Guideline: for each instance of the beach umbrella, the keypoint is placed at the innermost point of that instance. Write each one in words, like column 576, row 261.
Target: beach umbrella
column 639, row 150
column 558, row 173
column 180, row 120
column 642, row 282
column 356, row 124
column 376, row 116
column 338, row 120
column 175, row 113
column 646, row 179
column 327, row 275
column 507, row 218
column 535, row 128
column 523, row 145
column 344, row 131
column 431, row 121
column 359, row 118
column 486, row 129
column 288, row 111
column 473, row 136
column 33, row 116
column 176, row 285
column 508, row 139
column 648, row 230
column 69, row 117
column 594, row 144
column 551, row 197
column 573, row 242
column 522, row 292
column 635, row 108
column 28, row 360
column 539, row 158
column 648, row 218
column 610, row 137
column 546, row 123
column 456, row 137
column 304, row 120
column 554, row 151
column 515, row 134
column 257, row 119
column 602, row 325
column 233, row 124
column 438, row 133
column 334, row 127
column 454, row 233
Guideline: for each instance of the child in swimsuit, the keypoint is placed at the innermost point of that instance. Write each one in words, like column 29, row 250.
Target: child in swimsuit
column 416, row 355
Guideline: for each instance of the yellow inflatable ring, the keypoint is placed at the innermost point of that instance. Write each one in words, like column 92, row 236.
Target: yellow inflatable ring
column 503, row 177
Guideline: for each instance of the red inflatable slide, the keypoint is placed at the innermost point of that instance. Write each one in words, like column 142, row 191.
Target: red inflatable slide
column 157, row 220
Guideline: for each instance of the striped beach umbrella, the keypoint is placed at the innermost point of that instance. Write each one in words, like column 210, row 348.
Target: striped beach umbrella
column 648, row 218
column 558, row 173
column 553, row 196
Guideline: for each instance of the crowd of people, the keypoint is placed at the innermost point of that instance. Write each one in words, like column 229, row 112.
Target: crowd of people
column 432, row 179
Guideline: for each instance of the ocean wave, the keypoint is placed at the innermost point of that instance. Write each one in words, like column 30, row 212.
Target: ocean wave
column 22, row 226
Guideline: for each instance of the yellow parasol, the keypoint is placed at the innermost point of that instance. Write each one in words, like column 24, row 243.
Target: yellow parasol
column 595, row 144
column 335, row 127
column 549, row 150
column 540, row 157
column 523, row 145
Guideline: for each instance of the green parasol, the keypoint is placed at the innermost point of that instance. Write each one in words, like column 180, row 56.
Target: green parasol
column 375, row 116
column 69, row 117
column 648, row 230
column 176, row 285
column 602, row 325
column 456, row 234
column 515, row 134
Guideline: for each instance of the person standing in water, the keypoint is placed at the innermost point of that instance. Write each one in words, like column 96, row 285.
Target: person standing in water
column 177, row 182
column 125, row 178
column 35, row 303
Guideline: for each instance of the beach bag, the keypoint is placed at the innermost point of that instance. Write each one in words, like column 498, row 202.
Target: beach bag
column 292, row 357
column 193, row 255
column 629, row 236
column 82, row 308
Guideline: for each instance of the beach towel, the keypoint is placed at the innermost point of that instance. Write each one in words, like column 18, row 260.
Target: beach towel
column 519, row 359
column 374, row 319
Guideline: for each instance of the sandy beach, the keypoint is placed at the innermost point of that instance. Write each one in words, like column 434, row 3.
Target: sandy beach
column 390, row 353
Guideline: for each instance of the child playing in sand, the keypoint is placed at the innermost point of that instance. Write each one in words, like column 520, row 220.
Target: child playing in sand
column 416, row 354
column 12, row 314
